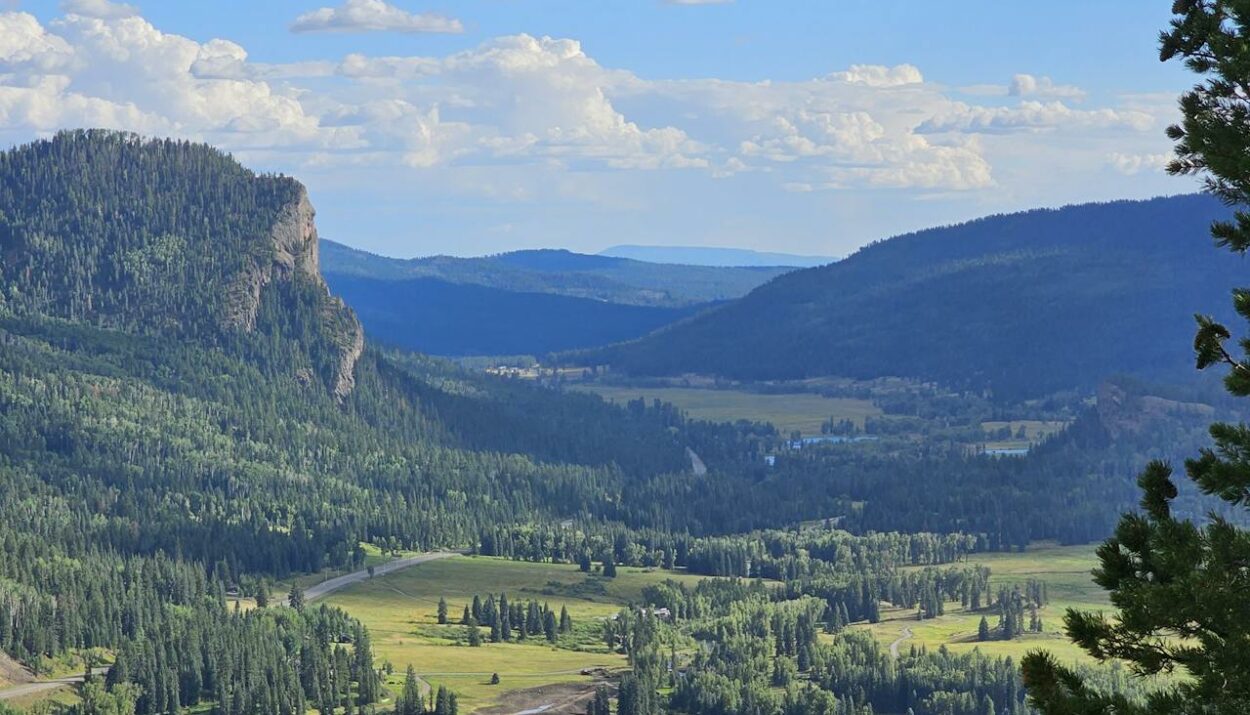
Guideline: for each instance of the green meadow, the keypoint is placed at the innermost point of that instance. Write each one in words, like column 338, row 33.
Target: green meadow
column 803, row 411
column 401, row 611
column 1064, row 569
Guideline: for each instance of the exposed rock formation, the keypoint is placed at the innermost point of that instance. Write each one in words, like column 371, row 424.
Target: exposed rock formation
column 295, row 257
column 350, row 339
column 1122, row 412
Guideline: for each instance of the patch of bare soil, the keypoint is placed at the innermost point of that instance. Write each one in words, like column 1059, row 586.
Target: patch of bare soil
column 557, row 699
column 13, row 672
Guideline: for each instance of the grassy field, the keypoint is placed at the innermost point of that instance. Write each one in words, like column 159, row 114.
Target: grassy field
column 400, row 610
column 1034, row 432
column 1064, row 569
column 802, row 411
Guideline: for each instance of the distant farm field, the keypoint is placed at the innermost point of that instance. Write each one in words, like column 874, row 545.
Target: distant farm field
column 401, row 609
column 804, row 412
column 1064, row 569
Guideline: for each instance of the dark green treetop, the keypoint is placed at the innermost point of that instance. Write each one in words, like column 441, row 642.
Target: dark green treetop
column 1181, row 588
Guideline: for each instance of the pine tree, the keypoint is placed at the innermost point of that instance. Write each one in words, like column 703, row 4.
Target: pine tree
column 566, row 621
column 983, row 630
column 601, row 704
column 409, row 702
column 474, row 634
column 296, row 597
column 366, row 679
column 1180, row 587
column 550, row 629
column 505, row 618
column 442, row 611
column 442, row 705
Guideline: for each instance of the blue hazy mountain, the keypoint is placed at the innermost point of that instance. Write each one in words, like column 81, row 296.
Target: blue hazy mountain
column 524, row 302
column 710, row 256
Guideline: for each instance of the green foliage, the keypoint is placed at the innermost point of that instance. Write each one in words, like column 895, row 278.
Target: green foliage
column 1180, row 586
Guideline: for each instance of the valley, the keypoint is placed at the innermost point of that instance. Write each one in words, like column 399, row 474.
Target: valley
column 401, row 612
column 224, row 490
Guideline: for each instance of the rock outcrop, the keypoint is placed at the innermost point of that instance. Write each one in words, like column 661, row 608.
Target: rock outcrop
column 295, row 257
column 1123, row 413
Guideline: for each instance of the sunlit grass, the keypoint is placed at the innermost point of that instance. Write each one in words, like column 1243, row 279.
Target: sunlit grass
column 804, row 412
column 401, row 611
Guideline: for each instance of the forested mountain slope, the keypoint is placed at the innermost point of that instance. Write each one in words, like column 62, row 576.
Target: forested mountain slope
column 523, row 302
column 1020, row 304
column 115, row 231
column 443, row 318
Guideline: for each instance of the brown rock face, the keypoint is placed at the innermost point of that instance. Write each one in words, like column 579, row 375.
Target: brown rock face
column 295, row 257
column 1123, row 413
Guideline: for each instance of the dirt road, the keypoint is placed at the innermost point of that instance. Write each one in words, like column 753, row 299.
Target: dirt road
column 325, row 588
column 18, row 691
column 904, row 635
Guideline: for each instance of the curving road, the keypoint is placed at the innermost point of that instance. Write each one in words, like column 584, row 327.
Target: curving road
column 904, row 635
column 327, row 587
column 25, row 689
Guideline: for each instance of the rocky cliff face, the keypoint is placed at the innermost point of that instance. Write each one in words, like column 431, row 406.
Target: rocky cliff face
column 172, row 239
column 1123, row 413
column 295, row 257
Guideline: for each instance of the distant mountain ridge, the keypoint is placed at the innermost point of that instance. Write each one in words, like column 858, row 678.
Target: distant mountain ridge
column 1020, row 304
column 525, row 302
column 713, row 256
column 561, row 272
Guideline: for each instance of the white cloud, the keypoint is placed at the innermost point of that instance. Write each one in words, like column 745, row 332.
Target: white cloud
column 26, row 45
column 880, row 76
column 121, row 72
column 1027, row 85
column 1131, row 164
column 99, row 8
column 532, row 98
column 1033, row 115
column 540, row 110
column 372, row 16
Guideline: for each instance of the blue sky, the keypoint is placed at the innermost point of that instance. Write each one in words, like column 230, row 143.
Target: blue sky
column 487, row 125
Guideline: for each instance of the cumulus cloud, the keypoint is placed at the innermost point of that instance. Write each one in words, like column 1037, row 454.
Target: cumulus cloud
column 1027, row 85
column 371, row 16
column 121, row 72
column 531, row 104
column 879, row 76
column 26, row 46
column 99, row 8
column 1032, row 115
column 1131, row 164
